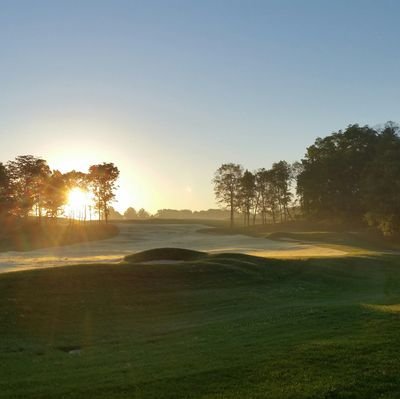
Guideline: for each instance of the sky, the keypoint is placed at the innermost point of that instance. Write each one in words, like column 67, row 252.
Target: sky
column 169, row 90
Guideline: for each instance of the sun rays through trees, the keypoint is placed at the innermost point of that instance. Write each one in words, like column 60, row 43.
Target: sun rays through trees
column 28, row 187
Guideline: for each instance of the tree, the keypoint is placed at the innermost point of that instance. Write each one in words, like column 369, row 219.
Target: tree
column 143, row 214
column 5, row 192
column 28, row 179
column 55, row 194
column 281, row 179
column 103, row 179
column 329, row 184
column 130, row 213
column 114, row 214
column 227, row 186
column 265, row 195
column 380, row 186
column 76, row 179
column 247, row 194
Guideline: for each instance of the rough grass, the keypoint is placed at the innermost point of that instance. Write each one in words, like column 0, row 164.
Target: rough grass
column 227, row 326
column 32, row 235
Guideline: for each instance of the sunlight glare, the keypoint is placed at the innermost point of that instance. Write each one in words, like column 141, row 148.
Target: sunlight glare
column 79, row 203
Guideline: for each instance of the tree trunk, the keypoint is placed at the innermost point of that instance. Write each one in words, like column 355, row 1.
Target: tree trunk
column 232, row 212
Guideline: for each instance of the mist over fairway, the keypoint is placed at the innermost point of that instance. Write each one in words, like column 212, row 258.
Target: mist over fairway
column 138, row 237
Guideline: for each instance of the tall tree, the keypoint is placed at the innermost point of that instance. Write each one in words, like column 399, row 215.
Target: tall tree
column 265, row 194
column 329, row 184
column 227, row 186
column 281, row 179
column 28, row 177
column 55, row 194
column 5, row 192
column 103, row 179
column 247, row 194
column 380, row 187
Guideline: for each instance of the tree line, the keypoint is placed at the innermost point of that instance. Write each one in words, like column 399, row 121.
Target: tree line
column 28, row 186
column 262, row 193
column 132, row 214
column 354, row 176
column 351, row 176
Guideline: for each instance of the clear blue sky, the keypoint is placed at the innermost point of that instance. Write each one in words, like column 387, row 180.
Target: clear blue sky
column 169, row 90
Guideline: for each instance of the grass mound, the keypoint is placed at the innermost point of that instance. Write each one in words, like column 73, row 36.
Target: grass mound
column 157, row 254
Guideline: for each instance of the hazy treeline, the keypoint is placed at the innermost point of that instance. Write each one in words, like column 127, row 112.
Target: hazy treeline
column 263, row 193
column 131, row 214
column 349, row 177
column 28, row 186
column 189, row 214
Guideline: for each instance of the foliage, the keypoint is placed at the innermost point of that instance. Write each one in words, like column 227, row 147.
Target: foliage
column 227, row 186
column 130, row 213
column 353, row 176
column 55, row 194
column 27, row 176
column 6, row 198
column 103, row 178
column 29, row 187
column 261, row 193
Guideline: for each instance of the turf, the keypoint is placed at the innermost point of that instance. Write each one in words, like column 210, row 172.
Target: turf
column 157, row 254
column 226, row 326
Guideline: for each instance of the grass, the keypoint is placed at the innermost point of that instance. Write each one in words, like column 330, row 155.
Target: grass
column 157, row 254
column 356, row 241
column 225, row 326
column 32, row 235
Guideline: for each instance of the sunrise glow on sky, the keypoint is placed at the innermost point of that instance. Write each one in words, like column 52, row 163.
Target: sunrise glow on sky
column 169, row 90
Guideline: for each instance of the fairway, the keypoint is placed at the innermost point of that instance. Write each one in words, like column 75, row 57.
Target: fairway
column 223, row 326
column 135, row 237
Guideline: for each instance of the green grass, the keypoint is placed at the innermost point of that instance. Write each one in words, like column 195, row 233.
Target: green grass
column 227, row 326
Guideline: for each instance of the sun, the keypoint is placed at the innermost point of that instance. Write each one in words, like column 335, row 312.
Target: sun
column 78, row 204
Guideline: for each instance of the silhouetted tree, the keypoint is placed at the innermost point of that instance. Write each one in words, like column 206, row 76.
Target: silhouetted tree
column 247, row 194
column 28, row 179
column 264, row 192
column 6, row 198
column 333, row 169
column 281, row 179
column 76, row 179
column 227, row 186
column 103, row 179
column 55, row 194
column 380, row 185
